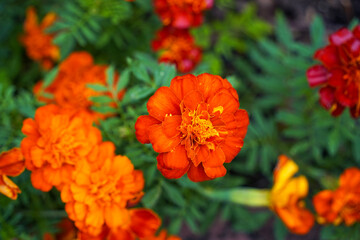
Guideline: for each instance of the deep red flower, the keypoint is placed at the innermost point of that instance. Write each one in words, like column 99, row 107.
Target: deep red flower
column 339, row 74
column 195, row 125
column 177, row 46
column 181, row 13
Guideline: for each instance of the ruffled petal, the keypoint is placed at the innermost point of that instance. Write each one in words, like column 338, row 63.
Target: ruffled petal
column 181, row 85
column 144, row 222
column 8, row 188
column 328, row 56
column 193, row 99
column 168, row 172
column 327, row 97
column 163, row 102
column 142, row 125
column 162, row 143
column 317, row 75
column 340, row 37
column 197, row 174
column 209, row 85
column 12, row 162
column 171, row 125
column 176, row 159
column 38, row 181
column 225, row 100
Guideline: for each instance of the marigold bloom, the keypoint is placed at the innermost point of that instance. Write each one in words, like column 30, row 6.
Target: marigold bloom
column 67, row 231
column 342, row 204
column 286, row 195
column 195, row 125
column 11, row 164
column 69, row 86
column 37, row 42
column 181, row 13
column 102, row 186
column 339, row 73
column 55, row 140
column 177, row 46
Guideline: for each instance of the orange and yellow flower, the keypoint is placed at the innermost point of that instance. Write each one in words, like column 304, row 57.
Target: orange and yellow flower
column 102, row 187
column 37, row 42
column 342, row 204
column 177, row 46
column 181, row 13
column 55, row 140
column 11, row 164
column 195, row 125
column 287, row 194
column 69, row 88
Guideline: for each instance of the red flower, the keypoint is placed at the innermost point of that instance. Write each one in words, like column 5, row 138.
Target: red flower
column 196, row 125
column 177, row 46
column 181, row 13
column 339, row 74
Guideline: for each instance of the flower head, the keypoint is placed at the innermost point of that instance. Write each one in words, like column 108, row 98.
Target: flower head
column 38, row 43
column 102, row 187
column 339, row 74
column 342, row 204
column 11, row 164
column 181, row 13
column 55, row 141
column 286, row 195
column 69, row 86
column 195, row 125
column 177, row 46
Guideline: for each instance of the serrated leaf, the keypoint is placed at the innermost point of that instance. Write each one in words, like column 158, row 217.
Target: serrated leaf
column 97, row 87
column 141, row 73
column 110, row 76
column 174, row 194
column 283, row 33
column 123, row 80
column 101, row 99
column 104, row 109
column 151, row 197
column 317, row 32
column 50, row 76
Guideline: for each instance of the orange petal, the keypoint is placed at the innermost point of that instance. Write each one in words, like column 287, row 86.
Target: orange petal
column 201, row 156
column 48, row 20
column 231, row 147
column 95, row 216
column 215, row 158
column 116, row 216
column 12, row 162
column 209, row 85
column 39, row 182
column 8, row 188
column 171, row 125
column 162, row 143
column 163, row 102
column 323, row 202
column 350, row 178
column 197, row 174
column 215, row 172
column 193, row 99
column 123, row 234
column 29, row 127
column 181, row 85
column 144, row 222
column 31, row 20
column 176, row 159
column 225, row 100
column 142, row 126
column 167, row 172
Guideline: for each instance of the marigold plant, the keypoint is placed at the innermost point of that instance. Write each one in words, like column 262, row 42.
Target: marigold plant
column 37, row 42
column 287, row 194
column 11, row 164
column 195, row 125
column 339, row 73
column 55, row 141
column 341, row 204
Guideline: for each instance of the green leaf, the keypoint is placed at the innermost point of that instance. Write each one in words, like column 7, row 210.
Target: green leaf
column 334, row 142
column 174, row 194
column 280, row 230
column 104, row 109
column 152, row 196
column 283, row 33
column 97, row 87
column 50, row 77
column 356, row 148
column 141, row 72
column 110, row 76
column 317, row 32
column 123, row 80
column 101, row 99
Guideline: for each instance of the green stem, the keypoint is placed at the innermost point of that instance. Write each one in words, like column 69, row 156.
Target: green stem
column 250, row 197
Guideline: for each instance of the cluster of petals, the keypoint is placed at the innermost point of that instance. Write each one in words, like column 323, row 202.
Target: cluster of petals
column 177, row 46
column 102, row 190
column 11, row 164
column 195, row 125
column 342, row 204
column 287, row 194
column 69, row 88
column 181, row 13
column 37, row 42
column 55, row 141
column 339, row 73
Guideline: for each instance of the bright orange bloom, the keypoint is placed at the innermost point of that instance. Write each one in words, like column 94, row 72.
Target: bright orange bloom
column 196, row 125
column 102, row 186
column 69, row 87
column 55, row 140
column 11, row 164
column 177, row 46
column 343, row 204
column 286, row 195
column 67, row 231
column 163, row 235
column 181, row 13
column 37, row 42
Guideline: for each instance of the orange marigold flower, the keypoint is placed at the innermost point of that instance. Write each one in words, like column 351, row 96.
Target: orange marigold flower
column 196, row 125
column 69, row 86
column 286, row 195
column 163, row 235
column 177, row 46
column 342, row 204
column 102, row 186
column 11, row 164
column 339, row 73
column 37, row 42
column 55, row 140
column 181, row 13
column 67, row 231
